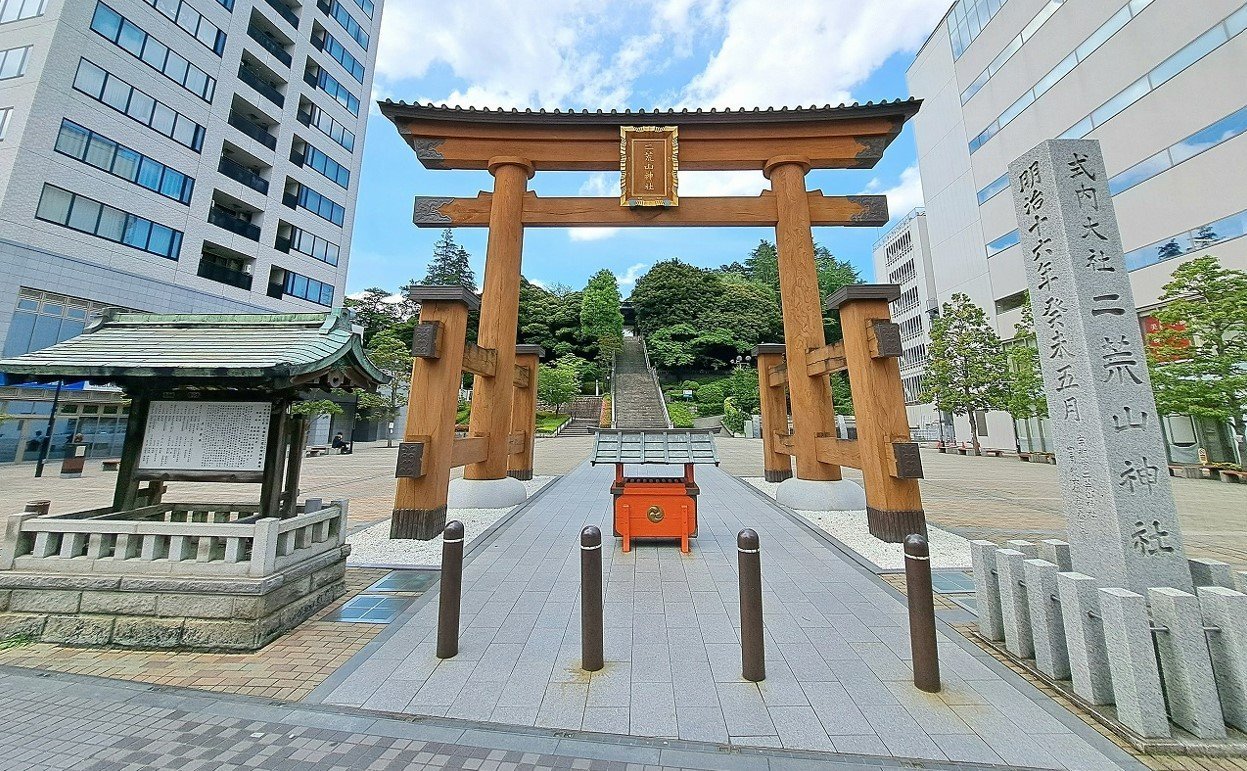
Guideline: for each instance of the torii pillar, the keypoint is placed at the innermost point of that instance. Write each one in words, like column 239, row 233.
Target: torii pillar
column 485, row 484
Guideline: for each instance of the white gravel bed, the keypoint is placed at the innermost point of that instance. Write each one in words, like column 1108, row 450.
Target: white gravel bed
column 949, row 551
column 373, row 547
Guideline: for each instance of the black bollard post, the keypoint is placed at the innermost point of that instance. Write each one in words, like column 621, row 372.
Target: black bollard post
column 451, row 591
column 591, row 654
column 752, row 653
column 922, row 643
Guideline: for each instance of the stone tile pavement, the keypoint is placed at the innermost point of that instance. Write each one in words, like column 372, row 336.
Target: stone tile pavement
column 837, row 651
column 59, row 722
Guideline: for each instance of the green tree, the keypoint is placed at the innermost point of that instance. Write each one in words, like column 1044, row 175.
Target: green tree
column 312, row 409
column 1198, row 357
column 451, row 264
column 762, row 264
column 968, row 369
column 671, row 348
column 1026, row 397
column 742, row 388
column 558, row 384
column 376, row 313
column 601, row 319
column 391, row 356
column 673, row 292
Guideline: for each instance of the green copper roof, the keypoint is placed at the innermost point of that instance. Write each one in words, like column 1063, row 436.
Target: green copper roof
column 277, row 350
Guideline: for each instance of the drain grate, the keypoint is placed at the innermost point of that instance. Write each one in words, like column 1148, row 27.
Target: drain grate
column 370, row 609
column 417, row 581
column 952, row 582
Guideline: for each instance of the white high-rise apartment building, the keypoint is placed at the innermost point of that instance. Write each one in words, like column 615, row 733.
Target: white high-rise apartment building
column 1157, row 82
column 174, row 156
column 902, row 256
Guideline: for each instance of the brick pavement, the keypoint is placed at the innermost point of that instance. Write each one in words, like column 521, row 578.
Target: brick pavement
column 61, row 722
column 838, row 671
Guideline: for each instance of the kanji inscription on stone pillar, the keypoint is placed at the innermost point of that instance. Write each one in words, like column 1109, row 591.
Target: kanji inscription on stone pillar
column 1111, row 457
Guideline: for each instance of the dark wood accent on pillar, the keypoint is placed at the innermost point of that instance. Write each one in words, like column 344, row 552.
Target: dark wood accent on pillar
column 419, row 524
column 136, row 425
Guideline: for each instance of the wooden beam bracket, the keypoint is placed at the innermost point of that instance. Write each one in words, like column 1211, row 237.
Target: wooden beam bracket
column 838, row 452
column 522, row 378
column 410, row 463
column 825, row 360
column 516, row 442
column 905, row 462
column 784, row 444
column 480, row 361
column 777, row 376
column 884, row 337
column 469, row 449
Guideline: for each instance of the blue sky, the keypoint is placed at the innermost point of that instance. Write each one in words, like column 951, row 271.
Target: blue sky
column 640, row 54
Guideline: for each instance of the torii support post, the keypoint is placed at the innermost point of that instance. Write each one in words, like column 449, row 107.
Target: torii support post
column 500, row 304
column 774, row 405
column 812, row 412
column 888, row 459
column 524, row 411
column 426, row 453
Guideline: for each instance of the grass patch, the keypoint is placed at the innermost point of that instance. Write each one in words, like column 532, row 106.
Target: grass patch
column 17, row 641
column 549, row 421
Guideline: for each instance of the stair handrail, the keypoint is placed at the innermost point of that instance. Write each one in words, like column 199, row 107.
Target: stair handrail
column 653, row 373
column 614, row 381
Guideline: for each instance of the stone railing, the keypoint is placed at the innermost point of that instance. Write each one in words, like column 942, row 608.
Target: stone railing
column 171, row 539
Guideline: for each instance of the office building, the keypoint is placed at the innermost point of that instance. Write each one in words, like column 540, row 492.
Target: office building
column 196, row 156
column 1157, row 82
column 902, row 256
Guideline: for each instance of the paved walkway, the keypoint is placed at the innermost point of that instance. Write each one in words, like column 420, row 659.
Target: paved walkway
column 60, row 722
column 837, row 651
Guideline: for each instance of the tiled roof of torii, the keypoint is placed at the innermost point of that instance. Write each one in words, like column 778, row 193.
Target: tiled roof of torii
column 904, row 108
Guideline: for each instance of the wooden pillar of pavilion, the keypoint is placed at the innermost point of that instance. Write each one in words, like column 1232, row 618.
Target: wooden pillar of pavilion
column 889, row 461
column 500, row 304
column 773, row 401
column 524, row 412
column 812, row 412
column 426, row 454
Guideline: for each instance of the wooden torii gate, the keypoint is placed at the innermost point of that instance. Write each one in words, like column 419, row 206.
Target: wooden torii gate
column 513, row 145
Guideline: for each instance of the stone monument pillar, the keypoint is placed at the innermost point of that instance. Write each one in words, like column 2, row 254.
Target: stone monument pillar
column 1123, row 527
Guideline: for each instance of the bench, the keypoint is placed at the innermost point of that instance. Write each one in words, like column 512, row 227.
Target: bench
column 1232, row 476
column 317, row 449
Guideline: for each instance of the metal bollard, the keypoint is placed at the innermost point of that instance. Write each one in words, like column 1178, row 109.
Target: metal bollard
column 752, row 653
column 451, row 591
column 40, row 507
column 591, row 654
column 921, row 603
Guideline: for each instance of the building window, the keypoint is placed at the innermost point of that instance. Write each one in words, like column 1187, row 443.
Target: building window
column 1011, row 302
column 1004, row 242
column 227, row 5
column 967, row 19
column 42, row 319
column 329, row 44
column 85, row 145
column 6, row 114
column 322, row 206
column 344, row 17
column 366, row 6
column 286, row 282
column 131, row 38
column 328, row 167
column 316, row 76
column 312, row 115
column 1205, row 139
column 124, row 98
column 192, row 22
column 17, row 10
column 299, row 240
column 86, row 215
column 1202, row 237
column 13, row 62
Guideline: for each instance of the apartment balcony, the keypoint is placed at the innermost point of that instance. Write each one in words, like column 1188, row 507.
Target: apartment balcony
column 276, row 291
column 224, row 275
column 285, row 11
column 270, row 44
column 253, row 130
column 261, row 85
column 240, row 173
column 233, row 223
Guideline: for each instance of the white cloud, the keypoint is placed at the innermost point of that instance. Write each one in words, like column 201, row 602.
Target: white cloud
column 632, row 274
column 722, row 183
column 597, row 185
column 807, row 51
column 903, row 196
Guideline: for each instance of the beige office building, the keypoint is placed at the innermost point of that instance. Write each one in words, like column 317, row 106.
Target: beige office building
column 1157, row 82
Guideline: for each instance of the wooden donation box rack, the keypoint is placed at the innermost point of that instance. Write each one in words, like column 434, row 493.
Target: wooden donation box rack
column 652, row 506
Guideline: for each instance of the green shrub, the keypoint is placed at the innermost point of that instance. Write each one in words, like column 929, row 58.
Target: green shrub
column 681, row 415
column 733, row 418
column 709, row 399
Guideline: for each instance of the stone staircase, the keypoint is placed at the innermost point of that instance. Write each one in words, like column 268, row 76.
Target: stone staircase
column 638, row 399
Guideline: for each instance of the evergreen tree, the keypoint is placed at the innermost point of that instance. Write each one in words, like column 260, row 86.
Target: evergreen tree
column 1198, row 357
column 451, row 264
column 392, row 356
column 968, row 371
column 601, row 319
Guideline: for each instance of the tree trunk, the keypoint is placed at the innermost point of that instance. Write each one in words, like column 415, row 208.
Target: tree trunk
column 974, row 432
